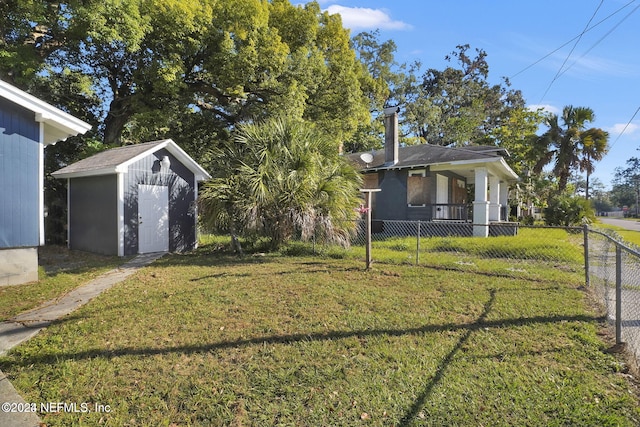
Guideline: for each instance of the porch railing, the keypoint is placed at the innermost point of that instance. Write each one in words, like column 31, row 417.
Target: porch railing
column 456, row 212
column 451, row 212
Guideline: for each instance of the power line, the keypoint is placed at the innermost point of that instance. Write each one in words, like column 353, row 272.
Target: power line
column 625, row 128
column 601, row 39
column 580, row 35
column 558, row 73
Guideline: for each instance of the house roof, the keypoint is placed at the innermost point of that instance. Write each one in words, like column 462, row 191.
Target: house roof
column 437, row 157
column 116, row 160
column 58, row 125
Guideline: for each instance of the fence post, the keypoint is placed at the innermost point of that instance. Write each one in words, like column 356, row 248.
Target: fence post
column 585, row 229
column 368, row 250
column 618, row 293
column 418, row 245
column 367, row 207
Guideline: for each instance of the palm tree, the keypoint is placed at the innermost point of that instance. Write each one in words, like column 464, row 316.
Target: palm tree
column 572, row 147
column 278, row 178
column 594, row 147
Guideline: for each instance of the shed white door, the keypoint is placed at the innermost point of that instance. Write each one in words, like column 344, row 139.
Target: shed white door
column 153, row 218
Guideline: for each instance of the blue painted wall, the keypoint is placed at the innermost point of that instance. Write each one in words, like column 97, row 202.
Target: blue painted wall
column 19, row 182
column 179, row 179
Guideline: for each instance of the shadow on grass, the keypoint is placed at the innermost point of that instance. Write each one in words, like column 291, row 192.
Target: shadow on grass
column 55, row 259
column 53, row 358
column 410, row 414
column 413, row 411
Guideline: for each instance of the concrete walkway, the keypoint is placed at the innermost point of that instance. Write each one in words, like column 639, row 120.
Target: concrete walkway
column 25, row 325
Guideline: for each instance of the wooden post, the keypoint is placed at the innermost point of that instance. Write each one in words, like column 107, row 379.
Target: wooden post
column 367, row 192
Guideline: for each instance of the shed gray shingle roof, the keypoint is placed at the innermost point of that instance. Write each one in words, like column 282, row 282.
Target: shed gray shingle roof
column 108, row 158
column 109, row 161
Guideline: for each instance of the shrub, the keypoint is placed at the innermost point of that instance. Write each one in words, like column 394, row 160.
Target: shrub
column 568, row 210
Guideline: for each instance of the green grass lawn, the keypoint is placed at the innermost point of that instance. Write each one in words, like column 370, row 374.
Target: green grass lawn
column 60, row 271
column 209, row 339
column 630, row 236
column 534, row 253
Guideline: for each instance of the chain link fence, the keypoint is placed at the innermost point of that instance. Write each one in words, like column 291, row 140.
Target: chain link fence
column 512, row 250
column 613, row 268
column 595, row 257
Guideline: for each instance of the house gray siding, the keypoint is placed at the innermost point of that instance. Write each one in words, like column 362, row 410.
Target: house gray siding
column 19, row 177
column 419, row 213
column 93, row 214
column 180, row 180
column 391, row 202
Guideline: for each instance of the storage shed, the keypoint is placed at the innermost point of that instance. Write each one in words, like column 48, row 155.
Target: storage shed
column 135, row 199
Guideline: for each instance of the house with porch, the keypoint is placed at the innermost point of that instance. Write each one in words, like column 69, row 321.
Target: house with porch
column 466, row 186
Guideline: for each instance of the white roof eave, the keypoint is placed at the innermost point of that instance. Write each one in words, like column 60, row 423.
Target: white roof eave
column 497, row 165
column 80, row 174
column 58, row 125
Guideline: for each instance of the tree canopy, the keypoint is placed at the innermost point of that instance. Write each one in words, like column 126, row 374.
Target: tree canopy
column 458, row 106
column 626, row 183
column 217, row 63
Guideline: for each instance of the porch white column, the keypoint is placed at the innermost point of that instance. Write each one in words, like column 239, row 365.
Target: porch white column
column 481, row 204
column 504, row 198
column 494, row 198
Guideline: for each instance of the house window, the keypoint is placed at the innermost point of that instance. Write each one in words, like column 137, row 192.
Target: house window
column 370, row 180
column 417, row 188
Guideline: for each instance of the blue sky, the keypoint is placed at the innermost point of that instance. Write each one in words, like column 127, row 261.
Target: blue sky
column 541, row 46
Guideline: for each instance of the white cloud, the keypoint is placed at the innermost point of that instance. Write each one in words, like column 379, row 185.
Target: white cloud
column 618, row 128
column 365, row 18
column 545, row 107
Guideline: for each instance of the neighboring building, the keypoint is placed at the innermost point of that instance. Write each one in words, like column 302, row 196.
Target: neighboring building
column 27, row 126
column 135, row 199
column 429, row 182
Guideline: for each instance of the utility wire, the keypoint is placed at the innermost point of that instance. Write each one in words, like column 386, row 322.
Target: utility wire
column 555, row 50
column 601, row 38
column 560, row 70
column 625, row 128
